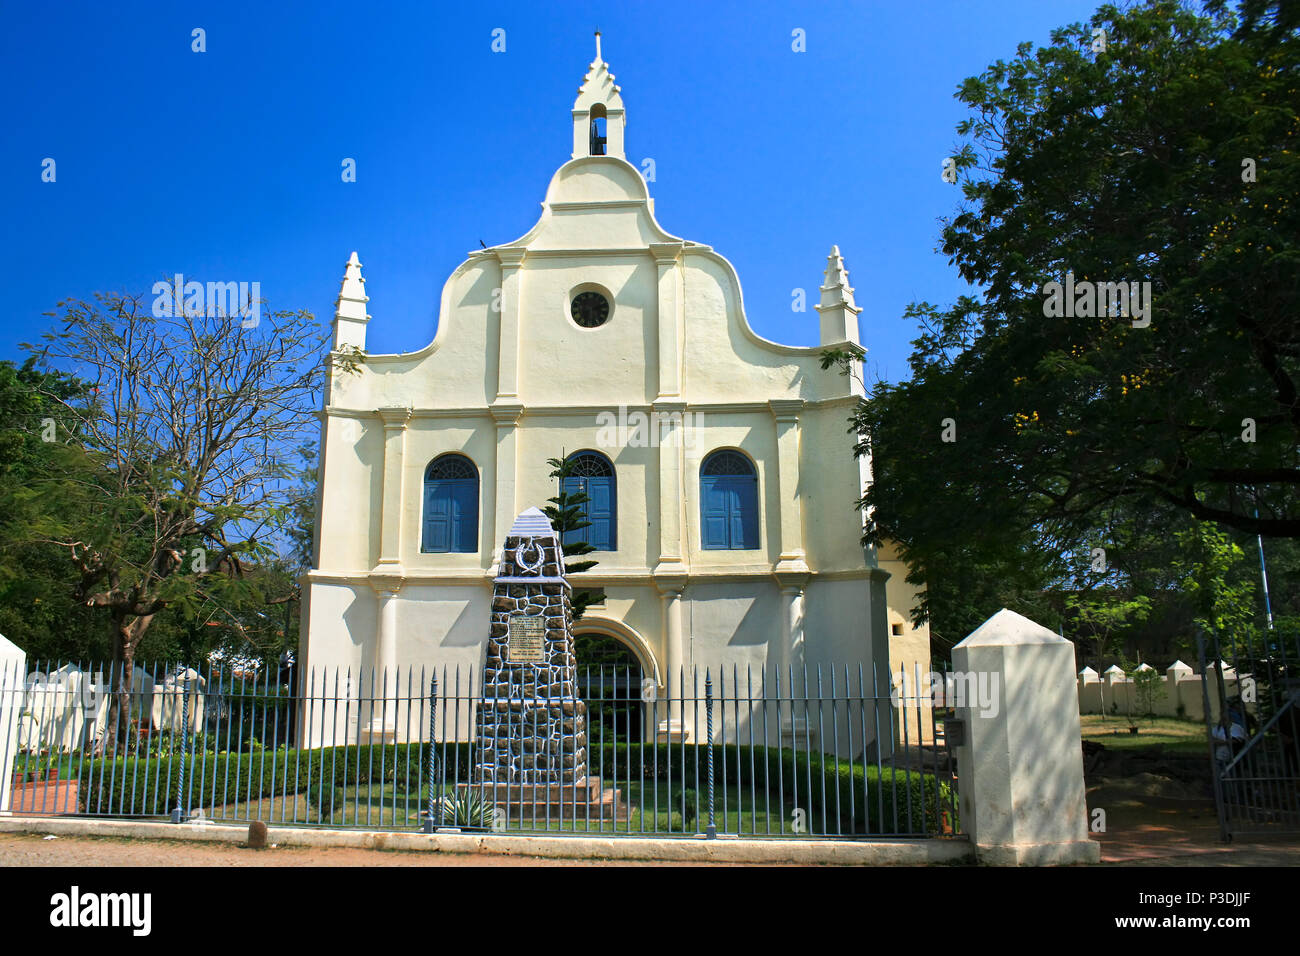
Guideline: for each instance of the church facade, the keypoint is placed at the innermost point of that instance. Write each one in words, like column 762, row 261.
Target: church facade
column 721, row 477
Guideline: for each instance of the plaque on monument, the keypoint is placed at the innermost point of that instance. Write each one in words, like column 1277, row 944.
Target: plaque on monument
column 526, row 640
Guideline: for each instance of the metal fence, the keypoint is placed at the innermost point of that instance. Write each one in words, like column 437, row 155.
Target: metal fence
column 1254, row 740
column 820, row 752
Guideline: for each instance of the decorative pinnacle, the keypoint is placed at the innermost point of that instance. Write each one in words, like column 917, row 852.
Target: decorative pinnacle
column 353, row 286
column 836, row 290
column 598, row 45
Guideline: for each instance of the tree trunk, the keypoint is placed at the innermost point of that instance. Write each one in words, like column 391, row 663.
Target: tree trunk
column 126, row 638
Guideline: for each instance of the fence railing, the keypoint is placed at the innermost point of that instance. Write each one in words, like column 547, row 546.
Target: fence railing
column 1253, row 731
column 825, row 751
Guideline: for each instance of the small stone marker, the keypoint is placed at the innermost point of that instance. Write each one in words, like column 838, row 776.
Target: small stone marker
column 257, row 835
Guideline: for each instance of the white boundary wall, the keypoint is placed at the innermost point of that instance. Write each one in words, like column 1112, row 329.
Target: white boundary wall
column 1176, row 694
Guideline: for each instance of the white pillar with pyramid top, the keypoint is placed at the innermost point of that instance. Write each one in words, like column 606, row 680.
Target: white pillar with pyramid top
column 350, row 316
column 13, row 674
column 838, row 313
column 1020, row 765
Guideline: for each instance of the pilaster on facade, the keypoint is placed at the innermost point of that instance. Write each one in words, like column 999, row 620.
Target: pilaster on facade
column 511, row 259
column 792, row 559
column 673, row 726
column 387, row 587
column 394, row 419
column 506, row 415
column 672, row 439
column 667, row 255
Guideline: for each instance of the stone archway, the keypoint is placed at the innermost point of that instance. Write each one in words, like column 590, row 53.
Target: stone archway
column 634, row 642
column 611, row 671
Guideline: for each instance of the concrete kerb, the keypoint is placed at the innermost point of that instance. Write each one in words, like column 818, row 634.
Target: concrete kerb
column 811, row 852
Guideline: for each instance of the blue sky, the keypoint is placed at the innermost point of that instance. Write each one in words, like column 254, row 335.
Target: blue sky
column 225, row 165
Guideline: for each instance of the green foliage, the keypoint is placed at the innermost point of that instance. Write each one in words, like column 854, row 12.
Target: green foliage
column 213, row 778
column 1148, row 687
column 1213, row 573
column 852, row 794
column 881, row 800
column 566, row 513
column 165, row 493
column 470, row 809
column 37, row 607
column 1121, row 165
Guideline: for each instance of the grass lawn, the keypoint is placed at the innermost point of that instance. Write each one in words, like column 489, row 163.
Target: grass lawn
column 1182, row 736
column 749, row 812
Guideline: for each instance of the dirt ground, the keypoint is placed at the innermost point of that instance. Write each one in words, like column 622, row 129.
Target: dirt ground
column 24, row 849
column 1147, row 836
column 1159, row 811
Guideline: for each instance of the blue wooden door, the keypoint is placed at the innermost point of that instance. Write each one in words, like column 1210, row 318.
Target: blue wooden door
column 451, row 515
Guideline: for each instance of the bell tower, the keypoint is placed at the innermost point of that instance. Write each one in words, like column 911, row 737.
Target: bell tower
column 598, row 113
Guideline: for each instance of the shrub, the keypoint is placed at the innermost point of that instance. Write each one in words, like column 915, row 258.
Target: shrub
column 146, row 785
column 896, row 800
column 470, row 809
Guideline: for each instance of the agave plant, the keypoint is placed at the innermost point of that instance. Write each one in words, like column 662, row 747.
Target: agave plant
column 467, row 810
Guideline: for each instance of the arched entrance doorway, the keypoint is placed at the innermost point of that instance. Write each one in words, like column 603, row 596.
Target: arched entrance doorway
column 609, row 680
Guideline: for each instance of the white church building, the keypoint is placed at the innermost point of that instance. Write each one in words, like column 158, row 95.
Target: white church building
column 721, row 474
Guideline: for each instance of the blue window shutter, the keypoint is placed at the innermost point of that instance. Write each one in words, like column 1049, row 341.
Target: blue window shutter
column 600, row 512
column 714, row 513
column 450, row 516
column 437, row 518
column 464, row 516
column 728, row 513
column 747, row 504
column 735, row 512
column 573, row 486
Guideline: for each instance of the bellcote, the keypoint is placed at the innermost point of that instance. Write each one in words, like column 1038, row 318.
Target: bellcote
column 598, row 113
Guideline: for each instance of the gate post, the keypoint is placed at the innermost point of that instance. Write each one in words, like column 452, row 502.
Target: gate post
column 13, row 674
column 1020, row 769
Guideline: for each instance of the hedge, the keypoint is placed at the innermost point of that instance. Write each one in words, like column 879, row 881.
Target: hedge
column 896, row 801
column 891, row 794
column 147, row 785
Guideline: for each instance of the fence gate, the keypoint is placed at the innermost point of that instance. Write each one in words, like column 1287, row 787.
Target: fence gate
column 1252, row 713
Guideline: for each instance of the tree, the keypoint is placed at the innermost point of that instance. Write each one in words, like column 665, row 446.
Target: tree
column 567, row 516
column 1023, row 434
column 1219, row 584
column 37, row 608
column 185, row 431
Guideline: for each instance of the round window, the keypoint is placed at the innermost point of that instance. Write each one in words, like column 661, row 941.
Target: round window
column 589, row 309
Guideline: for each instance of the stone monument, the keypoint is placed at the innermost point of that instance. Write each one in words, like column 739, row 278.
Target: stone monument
column 531, row 726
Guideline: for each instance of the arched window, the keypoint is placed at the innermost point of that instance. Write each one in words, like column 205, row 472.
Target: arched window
column 728, row 502
column 450, row 505
column 593, row 475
